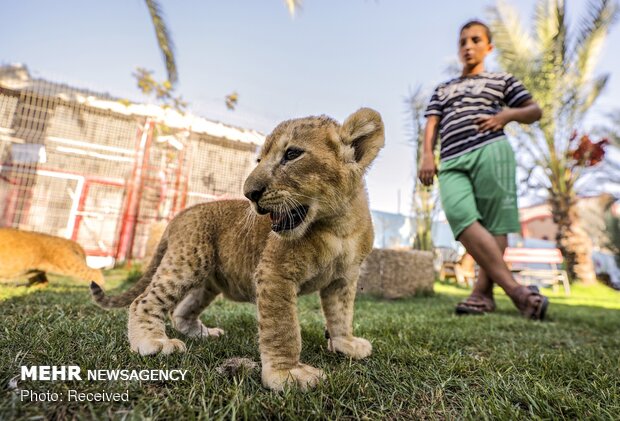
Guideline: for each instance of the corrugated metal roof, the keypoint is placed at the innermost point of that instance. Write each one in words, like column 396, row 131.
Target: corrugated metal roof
column 17, row 77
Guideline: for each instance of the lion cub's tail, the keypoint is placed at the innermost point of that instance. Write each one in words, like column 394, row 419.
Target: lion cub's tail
column 126, row 298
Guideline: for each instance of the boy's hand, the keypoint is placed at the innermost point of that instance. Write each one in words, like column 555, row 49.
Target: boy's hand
column 493, row 123
column 428, row 169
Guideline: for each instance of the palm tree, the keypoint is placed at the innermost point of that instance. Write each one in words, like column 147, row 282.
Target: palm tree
column 425, row 198
column 557, row 65
column 164, row 40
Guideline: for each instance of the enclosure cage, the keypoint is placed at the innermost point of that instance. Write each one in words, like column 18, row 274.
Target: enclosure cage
column 86, row 166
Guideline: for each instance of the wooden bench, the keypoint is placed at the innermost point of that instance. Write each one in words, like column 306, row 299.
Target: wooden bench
column 462, row 268
column 537, row 266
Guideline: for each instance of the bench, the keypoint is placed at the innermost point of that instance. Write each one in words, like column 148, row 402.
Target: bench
column 453, row 265
column 537, row 266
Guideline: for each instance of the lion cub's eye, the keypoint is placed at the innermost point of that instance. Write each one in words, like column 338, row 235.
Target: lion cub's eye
column 291, row 153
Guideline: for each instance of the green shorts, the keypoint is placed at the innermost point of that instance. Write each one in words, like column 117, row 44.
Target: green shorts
column 480, row 186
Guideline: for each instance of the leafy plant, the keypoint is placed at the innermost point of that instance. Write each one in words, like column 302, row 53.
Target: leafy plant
column 556, row 63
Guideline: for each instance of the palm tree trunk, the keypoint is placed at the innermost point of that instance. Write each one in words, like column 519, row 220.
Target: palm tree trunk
column 423, row 208
column 571, row 238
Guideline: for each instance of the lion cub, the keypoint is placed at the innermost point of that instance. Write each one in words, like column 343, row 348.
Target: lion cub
column 32, row 254
column 311, row 232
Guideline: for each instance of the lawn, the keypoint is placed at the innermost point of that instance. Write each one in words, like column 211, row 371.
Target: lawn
column 426, row 362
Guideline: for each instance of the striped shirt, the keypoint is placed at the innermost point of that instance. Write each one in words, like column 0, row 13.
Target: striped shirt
column 460, row 101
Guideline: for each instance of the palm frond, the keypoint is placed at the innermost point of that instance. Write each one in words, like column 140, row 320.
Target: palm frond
column 613, row 131
column 593, row 93
column 231, row 100
column 530, row 138
column 547, row 81
column 550, row 27
column 593, row 29
column 582, row 89
column 453, row 69
column 163, row 39
column 416, row 104
column 293, row 6
column 516, row 46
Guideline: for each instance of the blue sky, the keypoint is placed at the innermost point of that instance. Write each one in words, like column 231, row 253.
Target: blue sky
column 332, row 58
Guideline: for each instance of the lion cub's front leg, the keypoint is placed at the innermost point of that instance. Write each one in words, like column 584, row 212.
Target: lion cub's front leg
column 337, row 301
column 280, row 337
column 146, row 329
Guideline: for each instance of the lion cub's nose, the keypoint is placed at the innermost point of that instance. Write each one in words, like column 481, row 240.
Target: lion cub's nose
column 254, row 195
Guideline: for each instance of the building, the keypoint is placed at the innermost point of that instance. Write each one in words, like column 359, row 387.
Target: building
column 99, row 170
column 537, row 221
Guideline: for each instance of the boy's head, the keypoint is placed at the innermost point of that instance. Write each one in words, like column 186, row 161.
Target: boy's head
column 474, row 43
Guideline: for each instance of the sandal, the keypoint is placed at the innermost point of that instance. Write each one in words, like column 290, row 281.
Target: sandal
column 531, row 303
column 475, row 304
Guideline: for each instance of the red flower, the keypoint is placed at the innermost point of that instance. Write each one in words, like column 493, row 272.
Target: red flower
column 588, row 153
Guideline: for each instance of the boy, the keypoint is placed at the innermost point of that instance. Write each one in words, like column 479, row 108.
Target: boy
column 477, row 167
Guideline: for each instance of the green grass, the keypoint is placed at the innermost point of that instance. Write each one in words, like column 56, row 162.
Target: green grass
column 426, row 362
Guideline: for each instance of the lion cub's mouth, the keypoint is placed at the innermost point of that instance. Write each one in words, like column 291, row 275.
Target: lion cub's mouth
column 283, row 221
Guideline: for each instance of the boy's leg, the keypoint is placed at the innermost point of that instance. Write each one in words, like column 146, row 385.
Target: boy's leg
column 481, row 299
column 459, row 205
column 484, row 284
column 486, row 251
column 482, row 246
column 461, row 200
column 493, row 177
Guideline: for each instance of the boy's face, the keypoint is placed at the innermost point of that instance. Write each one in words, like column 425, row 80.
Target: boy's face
column 474, row 46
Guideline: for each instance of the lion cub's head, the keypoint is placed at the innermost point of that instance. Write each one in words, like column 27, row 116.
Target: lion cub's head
column 311, row 168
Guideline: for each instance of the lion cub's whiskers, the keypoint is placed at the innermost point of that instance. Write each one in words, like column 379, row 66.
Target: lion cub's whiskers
column 282, row 208
column 296, row 204
column 328, row 203
column 249, row 219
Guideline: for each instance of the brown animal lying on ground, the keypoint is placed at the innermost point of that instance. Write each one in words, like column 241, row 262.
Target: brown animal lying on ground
column 31, row 255
column 312, row 232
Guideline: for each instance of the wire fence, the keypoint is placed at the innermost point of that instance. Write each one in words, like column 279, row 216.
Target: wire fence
column 88, row 167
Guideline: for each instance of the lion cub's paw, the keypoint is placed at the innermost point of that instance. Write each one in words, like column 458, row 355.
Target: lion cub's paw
column 207, row 332
column 148, row 346
column 303, row 376
column 198, row 330
column 357, row 348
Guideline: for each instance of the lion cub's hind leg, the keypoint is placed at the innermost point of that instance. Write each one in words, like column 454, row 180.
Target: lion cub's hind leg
column 37, row 278
column 147, row 331
column 72, row 263
column 186, row 315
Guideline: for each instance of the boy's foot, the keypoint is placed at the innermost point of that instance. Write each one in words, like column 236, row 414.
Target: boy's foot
column 475, row 304
column 531, row 303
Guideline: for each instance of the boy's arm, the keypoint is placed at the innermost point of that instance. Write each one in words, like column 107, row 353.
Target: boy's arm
column 428, row 169
column 526, row 113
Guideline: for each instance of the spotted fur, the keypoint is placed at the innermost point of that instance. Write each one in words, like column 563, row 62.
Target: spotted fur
column 225, row 247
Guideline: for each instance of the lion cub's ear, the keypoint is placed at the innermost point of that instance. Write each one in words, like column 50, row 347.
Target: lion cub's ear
column 363, row 130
